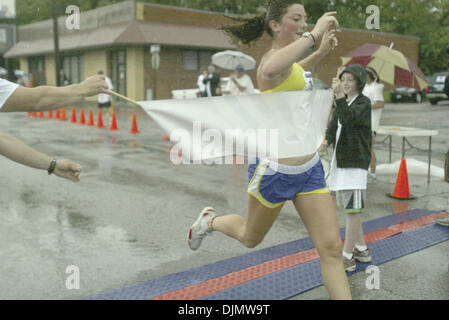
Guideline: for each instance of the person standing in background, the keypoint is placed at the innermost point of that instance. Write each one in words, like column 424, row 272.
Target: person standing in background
column 212, row 81
column 350, row 134
column 201, row 85
column 374, row 91
column 239, row 83
column 104, row 100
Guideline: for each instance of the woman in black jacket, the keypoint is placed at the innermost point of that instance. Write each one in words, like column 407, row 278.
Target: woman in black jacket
column 350, row 133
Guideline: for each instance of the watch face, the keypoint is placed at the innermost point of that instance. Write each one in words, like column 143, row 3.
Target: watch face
column 308, row 80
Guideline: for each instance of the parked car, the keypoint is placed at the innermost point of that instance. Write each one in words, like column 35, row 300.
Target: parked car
column 405, row 94
column 435, row 91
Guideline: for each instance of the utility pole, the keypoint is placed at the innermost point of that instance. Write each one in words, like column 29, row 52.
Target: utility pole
column 56, row 43
column 155, row 60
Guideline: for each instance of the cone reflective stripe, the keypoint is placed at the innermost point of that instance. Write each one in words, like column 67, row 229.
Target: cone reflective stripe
column 134, row 128
column 73, row 120
column 82, row 117
column 100, row 120
column 113, row 122
column 63, row 116
column 50, row 114
column 91, row 118
column 401, row 189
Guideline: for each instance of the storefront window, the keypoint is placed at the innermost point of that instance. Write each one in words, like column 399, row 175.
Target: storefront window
column 36, row 66
column 73, row 69
column 117, row 60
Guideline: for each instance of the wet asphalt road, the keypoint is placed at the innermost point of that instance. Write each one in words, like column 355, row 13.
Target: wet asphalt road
column 127, row 220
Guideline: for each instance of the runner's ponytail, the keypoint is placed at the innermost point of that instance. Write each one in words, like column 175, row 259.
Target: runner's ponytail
column 251, row 29
column 248, row 30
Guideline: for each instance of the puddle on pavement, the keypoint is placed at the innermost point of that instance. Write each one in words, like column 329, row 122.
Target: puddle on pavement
column 105, row 166
column 39, row 241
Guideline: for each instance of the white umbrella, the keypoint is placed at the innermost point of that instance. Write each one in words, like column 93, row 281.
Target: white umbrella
column 229, row 60
column 19, row 73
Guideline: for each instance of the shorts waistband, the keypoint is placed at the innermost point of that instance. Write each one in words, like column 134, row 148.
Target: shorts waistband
column 282, row 168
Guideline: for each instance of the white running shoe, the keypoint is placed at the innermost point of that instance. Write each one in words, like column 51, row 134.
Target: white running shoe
column 200, row 228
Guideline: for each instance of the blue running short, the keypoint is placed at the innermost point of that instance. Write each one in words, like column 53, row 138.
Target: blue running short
column 273, row 184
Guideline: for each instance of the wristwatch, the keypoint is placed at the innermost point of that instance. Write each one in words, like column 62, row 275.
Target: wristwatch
column 52, row 166
column 309, row 36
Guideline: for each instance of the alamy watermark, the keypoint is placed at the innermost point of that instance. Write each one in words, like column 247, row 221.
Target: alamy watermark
column 373, row 280
column 213, row 146
column 373, row 21
column 73, row 21
column 73, row 280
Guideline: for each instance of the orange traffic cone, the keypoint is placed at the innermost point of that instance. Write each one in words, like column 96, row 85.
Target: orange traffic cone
column 113, row 123
column 91, row 118
column 401, row 190
column 41, row 114
column 166, row 137
column 82, row 117
column 100, row 120
column 63, row 116
column 30, row 114
column 73, row 120
column 58, row 114
column 134, row 125
column 34, row 114
column 50, row 114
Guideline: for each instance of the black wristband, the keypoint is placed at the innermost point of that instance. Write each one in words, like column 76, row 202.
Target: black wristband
column 52, row 166
column 314, row 41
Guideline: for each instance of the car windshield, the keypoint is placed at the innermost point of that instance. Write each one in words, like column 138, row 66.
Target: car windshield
column 439, row 78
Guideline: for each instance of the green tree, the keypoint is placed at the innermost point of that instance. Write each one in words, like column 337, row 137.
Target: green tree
column 426, row 19
column 29, row 11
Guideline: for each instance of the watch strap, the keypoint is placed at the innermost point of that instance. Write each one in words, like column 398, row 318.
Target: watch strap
column 52, row 166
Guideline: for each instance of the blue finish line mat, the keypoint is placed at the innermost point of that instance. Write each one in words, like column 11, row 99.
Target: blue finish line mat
column 288, row 282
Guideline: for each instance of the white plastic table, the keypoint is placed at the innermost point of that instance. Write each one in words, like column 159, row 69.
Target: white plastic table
column 405, row 132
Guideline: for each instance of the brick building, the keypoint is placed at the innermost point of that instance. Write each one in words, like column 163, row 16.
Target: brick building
column 117, row 39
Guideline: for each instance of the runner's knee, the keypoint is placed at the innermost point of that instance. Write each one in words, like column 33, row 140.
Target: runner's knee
column 251, row 242
column 331, row 248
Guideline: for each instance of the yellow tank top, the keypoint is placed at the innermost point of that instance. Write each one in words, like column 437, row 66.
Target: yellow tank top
column 294, row 82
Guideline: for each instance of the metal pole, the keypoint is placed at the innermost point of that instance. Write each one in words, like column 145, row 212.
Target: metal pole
column 56, row 43
column 391, row 138
column 154, row 83
column 403, row 147
column 430, row 159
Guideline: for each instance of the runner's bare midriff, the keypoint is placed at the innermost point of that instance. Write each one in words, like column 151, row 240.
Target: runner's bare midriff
column 296, row 161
